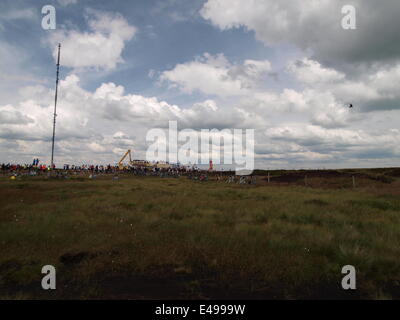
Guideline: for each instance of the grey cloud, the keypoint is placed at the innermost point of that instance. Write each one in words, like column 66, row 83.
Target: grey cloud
column 14, row 117
column 317, row 26
column 380, row 105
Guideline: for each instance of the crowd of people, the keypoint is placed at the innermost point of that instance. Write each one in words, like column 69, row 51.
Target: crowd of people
column 193, row 173
column 22, row 168
column 36, row 168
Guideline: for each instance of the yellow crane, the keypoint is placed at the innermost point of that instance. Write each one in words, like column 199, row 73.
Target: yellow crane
column 120, row 163
column 138, row 163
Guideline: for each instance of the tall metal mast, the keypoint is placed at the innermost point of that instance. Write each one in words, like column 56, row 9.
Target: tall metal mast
column 55, row 107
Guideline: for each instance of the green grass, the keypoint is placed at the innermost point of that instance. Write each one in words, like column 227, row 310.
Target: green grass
column 174, row 238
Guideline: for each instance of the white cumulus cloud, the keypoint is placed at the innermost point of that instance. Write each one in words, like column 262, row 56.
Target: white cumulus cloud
column 101, row 47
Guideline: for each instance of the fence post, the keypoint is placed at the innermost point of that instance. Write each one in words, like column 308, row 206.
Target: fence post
column 305, row 180
column 268, row 177
column 354, row 182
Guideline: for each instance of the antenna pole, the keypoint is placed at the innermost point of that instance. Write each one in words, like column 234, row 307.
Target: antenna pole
column 55, row 107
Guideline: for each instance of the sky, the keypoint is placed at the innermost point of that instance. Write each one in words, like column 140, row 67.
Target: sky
column 287, row 69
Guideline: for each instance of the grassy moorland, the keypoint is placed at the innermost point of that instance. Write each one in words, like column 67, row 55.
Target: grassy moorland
column 151, row 238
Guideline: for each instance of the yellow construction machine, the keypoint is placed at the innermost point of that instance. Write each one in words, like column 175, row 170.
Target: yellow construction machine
column 121, row 164
column 137, row 163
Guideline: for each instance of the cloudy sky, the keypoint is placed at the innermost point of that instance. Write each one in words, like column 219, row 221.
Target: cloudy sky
column 285, row 68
